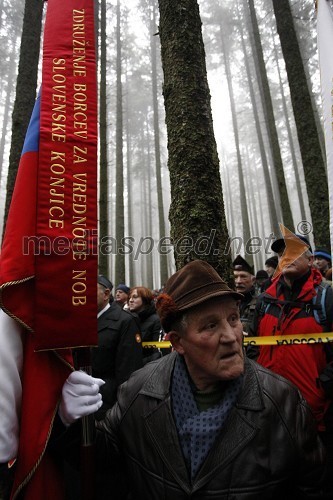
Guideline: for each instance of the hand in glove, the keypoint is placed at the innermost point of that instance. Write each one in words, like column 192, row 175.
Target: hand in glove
column 80, row 397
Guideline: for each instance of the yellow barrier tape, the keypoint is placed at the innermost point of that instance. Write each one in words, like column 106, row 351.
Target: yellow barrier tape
column 306, row 338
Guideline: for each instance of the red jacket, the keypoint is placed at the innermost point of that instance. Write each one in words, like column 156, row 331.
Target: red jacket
column 301, row 364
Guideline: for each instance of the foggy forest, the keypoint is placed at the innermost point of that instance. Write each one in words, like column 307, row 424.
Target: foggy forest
column 267, row 124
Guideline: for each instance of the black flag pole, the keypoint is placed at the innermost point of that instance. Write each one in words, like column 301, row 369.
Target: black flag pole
column 87, row 462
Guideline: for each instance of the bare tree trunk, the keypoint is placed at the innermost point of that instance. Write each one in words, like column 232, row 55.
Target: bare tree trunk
column 161, row 220
column 25, row 88
column 242, row 193
column 290, row 138
column 129, row 190
column 149, row 212
column 313, row 162
column 270, row 121
column 7, row 108
column 103, row 158
column 272, row 212
column 120, row 219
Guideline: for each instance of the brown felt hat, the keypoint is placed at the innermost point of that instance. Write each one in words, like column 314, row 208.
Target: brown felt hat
column 194, row 284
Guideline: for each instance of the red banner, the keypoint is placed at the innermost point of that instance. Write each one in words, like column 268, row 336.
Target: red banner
column 66, row 231
column 48, row 265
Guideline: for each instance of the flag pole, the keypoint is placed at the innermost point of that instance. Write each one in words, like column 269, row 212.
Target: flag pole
column 87, row 462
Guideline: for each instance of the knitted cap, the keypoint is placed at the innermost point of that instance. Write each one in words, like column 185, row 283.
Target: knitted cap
column 322, row 252
column 123, row 288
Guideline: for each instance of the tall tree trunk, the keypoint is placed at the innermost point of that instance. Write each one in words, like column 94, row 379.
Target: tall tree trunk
column 129, row 186
column 313, row 162
column 197, row 209
column 270, row 121
column 120, row 219
column 229, row 198
column 1, row 11
column 290, row 137
column 25, row 88
column 272, row 212
column 148, row 212
column 7, row 107
column 242, row 193
column 161, row 220
column 103, row 160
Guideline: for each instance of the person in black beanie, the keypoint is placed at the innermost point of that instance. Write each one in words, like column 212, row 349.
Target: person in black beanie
column 245, row 284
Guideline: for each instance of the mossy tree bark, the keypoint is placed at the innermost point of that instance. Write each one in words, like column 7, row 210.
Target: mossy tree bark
column 198, row 225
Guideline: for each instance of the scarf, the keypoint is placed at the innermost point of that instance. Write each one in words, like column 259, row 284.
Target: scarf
column 197, row 431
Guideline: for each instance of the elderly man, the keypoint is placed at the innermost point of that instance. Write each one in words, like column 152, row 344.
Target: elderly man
column 299, row 302
column 203, row 422
column 119, row 351
column 322, row 260
column 245, row 284
column 122, row 293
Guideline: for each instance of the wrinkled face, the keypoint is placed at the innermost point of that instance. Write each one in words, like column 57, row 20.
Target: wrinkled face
column 298, row 267
column 321, row 264
column 135, row 301
column 212, row 342
column 243, row 281
column 121, row 297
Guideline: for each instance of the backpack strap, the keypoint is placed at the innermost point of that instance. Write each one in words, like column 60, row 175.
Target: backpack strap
column 322, row 315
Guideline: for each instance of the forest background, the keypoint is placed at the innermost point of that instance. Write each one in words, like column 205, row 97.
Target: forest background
column 262, row 168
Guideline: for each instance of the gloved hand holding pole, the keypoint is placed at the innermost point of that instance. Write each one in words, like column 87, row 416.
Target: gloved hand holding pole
column 80, row 397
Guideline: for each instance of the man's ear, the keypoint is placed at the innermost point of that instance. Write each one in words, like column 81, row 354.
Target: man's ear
column 176, row 341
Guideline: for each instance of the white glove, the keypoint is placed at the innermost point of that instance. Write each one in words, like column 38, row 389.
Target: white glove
column 80, row 397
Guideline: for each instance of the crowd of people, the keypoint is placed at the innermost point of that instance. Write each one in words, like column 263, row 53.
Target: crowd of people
column 210, row 419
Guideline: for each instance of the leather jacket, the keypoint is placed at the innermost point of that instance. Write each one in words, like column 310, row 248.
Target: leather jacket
column 268, row 448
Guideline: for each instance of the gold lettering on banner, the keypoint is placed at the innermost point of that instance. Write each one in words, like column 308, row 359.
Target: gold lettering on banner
column 57, row 190
column 77, row 154
column 59, row 108
column 79, row 288
column 80, row 118
column 79, row 52
column 79, row 92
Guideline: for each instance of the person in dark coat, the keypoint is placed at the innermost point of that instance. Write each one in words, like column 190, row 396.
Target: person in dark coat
column 244, row 284
column 203, row 422
column 119, row 351
column 141, row 304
